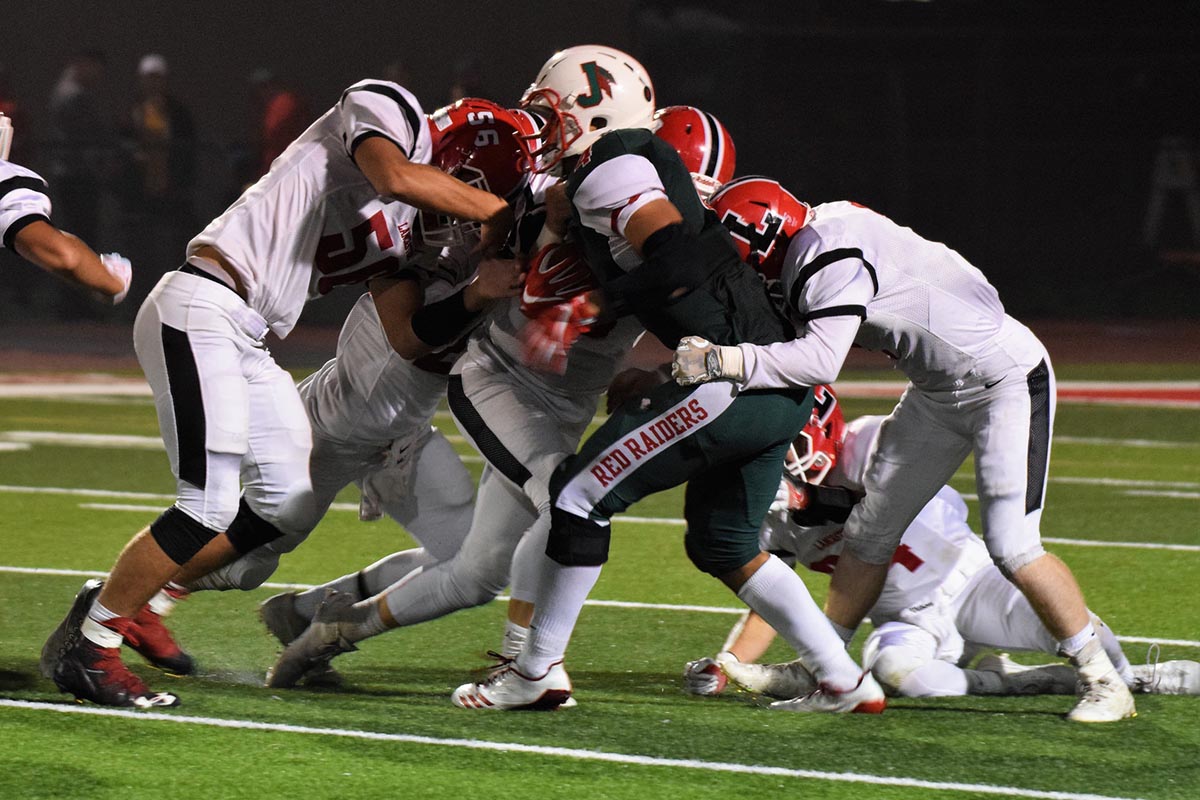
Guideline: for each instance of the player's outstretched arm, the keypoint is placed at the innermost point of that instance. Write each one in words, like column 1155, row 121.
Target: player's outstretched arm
column 63, row 254
column 429, row 189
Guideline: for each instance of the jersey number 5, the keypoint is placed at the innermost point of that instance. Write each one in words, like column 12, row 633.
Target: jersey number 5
column 336, row 259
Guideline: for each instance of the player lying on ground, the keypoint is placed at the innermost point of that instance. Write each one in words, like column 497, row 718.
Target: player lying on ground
column 980, row 383
column 522, row 421
column 657, row 255
column 25, row 227
column 943, row 602
column 336, row 208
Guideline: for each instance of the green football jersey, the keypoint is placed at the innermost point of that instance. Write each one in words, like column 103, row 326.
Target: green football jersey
column 730, row 305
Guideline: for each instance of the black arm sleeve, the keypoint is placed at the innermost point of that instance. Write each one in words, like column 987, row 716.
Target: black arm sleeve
column 674, row 260
column 438, row 324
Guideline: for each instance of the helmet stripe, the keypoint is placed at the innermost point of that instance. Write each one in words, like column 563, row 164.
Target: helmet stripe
column 713, row 132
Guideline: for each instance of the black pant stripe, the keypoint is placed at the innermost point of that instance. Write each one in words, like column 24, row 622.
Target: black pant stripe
column 188, row 402
column 488, row 443
column 1039, row 436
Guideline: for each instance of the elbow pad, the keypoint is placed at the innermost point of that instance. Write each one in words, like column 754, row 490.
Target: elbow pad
column 674, row 259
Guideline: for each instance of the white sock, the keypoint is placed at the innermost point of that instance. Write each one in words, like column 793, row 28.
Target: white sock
column 776, row 592
column 363, row 621
column 1116, row 655
column 162, row 603
column 97, row 633
column 561, row 592
column 1071, row 646
column 514, row 639
column 374, row 579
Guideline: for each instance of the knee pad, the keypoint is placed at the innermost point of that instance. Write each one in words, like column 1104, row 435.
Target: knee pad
column 894, row 651
column 577, row 541
column 249, row 531
column 719, row 558
column 180, row 536
column 1008, row 565
column 891, row 665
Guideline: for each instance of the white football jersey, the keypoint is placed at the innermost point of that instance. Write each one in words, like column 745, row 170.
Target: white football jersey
column 591, row 361
column 938, row 549
column 369, row 394
column 314, row 221
column 23, row 200
column 920, row 302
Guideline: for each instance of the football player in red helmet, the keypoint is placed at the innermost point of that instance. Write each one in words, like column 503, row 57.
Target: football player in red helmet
column 702, row 142
column 762, row 217
column 981, row 383
column 483, row 145
column 816, row 450
column 336, row 208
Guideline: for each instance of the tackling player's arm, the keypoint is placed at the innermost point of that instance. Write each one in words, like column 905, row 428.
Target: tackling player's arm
column 429, row 189
column 832, row 305
column 415, row 329
column 67, row 256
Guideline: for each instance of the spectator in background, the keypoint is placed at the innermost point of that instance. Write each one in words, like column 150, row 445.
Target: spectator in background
column 159, row 170
column 80, row 136
column 283, row 115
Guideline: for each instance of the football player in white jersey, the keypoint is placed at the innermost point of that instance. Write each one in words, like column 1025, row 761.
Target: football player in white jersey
column 942, row 604
column 25, row 227
column 980, row 382
column 371, row 406
column 336, row 208
column 523, row 421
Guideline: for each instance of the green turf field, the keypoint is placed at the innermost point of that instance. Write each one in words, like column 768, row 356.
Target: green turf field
column 391, row 731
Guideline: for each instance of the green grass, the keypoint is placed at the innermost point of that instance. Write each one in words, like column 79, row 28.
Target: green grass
column 625, row 662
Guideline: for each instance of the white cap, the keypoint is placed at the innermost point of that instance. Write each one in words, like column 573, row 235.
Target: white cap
column 152, row 64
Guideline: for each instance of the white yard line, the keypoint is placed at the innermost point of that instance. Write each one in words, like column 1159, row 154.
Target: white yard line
column 624, row 604
column 674, row 521
column 559, row 752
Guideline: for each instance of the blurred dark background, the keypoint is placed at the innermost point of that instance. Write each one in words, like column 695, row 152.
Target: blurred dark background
column 1049, row 142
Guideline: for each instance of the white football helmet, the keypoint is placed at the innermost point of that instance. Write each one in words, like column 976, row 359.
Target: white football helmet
column 584, row 92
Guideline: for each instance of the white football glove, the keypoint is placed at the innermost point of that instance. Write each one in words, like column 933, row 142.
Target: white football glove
column 699, row 360
column 119, row 267
column 704, row 676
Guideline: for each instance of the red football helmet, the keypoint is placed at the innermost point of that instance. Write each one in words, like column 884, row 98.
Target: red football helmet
column 702, row 142
column 478, row 142
column 531, row 125
column 762, row 217
column 817, row 448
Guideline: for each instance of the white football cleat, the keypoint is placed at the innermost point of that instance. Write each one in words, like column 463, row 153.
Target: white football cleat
column 507, row 689
column 279, row 614
column 865, row 698
column 781, row 681
column 1040, row 679
column 1168, row 677
column 313, row 649
column 1103, row 695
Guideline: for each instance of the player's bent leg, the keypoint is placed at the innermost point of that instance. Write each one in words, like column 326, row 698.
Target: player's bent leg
column 915, row 456
column 903, row 658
